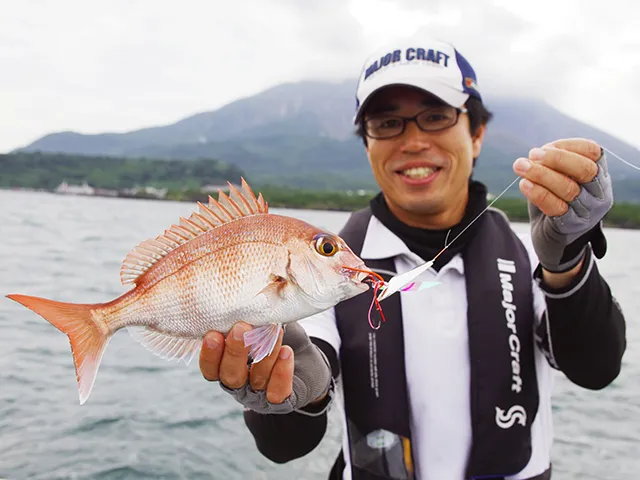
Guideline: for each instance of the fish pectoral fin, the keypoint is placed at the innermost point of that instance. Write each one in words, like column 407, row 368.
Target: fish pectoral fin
column 262, row 340
column 166, row 346
column 274, row 289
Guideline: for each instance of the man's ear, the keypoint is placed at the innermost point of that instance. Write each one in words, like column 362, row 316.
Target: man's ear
column 477, row 140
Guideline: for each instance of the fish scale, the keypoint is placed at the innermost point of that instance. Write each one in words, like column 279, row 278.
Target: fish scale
column 230, row 261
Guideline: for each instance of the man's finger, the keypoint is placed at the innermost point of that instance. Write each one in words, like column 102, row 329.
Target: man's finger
column 559, row 184
column 546, row 201
column 574, row 165
column 211, row 354
column 261, row 371
column 233, row 366
column 280, row 383
column 581, row 146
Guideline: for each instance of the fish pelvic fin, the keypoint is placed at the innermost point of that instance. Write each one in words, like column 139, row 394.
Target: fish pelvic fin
column 238, row 204
column 88, row 338
column 262, row 341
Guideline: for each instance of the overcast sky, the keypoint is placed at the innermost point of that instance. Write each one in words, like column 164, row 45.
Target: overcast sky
column 118, row 65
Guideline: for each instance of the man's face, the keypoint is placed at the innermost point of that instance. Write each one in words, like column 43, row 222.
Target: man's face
column 423, row 176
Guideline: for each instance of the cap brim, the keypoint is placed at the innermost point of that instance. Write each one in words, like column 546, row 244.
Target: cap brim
column 448, row 95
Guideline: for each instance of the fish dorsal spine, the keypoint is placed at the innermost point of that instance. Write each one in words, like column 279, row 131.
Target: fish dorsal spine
column 226, row 209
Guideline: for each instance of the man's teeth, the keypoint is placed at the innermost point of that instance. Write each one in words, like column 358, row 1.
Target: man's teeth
column 418, row 172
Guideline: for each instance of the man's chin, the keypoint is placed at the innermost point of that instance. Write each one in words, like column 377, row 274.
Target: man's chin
column 417, row 203
column 424, row 206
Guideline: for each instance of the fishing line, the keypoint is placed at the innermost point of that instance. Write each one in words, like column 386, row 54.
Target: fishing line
column 621, row 159
column 378, row 283
column 473, row 221
column 505, row 191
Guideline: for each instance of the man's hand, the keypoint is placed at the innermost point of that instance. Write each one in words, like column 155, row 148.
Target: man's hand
column 569, row 191
column 225, row 360
column 274, row 385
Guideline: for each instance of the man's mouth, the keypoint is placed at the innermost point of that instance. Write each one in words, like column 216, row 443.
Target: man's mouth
column 418, row 173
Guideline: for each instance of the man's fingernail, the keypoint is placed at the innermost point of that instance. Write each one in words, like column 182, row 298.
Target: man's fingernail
column 212, row 342
column 526, row 185
column 285, row 353
column 522, row 165
column 536, row 153
column 238, row 332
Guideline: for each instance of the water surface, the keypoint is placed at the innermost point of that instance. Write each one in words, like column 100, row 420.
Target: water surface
column 148, row 418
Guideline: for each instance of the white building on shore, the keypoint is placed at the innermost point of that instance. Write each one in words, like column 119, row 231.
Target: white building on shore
column 66, row 189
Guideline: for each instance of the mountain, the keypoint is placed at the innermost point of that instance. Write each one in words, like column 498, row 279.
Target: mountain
column 302, row 134
column 317, row 108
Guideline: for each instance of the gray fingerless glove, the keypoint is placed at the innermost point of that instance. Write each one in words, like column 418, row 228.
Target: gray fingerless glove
column 311, row 378
column 560, row 242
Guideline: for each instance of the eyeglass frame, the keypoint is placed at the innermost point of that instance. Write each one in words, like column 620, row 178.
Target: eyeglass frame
column 414, row 119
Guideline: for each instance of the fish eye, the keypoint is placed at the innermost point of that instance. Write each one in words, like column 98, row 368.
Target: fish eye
column 325, row 245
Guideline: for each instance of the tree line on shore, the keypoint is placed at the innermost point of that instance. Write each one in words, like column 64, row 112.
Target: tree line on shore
column 186, row 181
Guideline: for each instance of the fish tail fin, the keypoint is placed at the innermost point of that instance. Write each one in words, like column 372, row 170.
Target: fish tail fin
column 88, row 339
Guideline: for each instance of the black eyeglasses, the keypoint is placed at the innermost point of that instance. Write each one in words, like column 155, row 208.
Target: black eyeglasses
column 433, row 119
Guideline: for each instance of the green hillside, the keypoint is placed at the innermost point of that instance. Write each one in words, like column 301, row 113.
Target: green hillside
column 47, row 171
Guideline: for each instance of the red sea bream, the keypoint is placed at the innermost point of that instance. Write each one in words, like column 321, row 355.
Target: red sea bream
column 230, row 261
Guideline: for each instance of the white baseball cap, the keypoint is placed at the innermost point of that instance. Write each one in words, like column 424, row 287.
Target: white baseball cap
column 432, row 65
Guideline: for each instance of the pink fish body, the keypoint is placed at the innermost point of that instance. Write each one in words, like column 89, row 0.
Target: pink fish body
column 231, row 261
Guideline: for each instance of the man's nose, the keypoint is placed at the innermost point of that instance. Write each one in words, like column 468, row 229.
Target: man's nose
column 414, row 139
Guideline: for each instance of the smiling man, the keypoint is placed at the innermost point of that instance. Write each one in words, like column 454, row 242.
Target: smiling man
column 421, row 190
column 456, row 384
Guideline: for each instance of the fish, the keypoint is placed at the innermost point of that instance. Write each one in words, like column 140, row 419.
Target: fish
column 231, row 260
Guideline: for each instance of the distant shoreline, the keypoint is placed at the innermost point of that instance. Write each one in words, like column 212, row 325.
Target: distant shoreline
column 622, row 215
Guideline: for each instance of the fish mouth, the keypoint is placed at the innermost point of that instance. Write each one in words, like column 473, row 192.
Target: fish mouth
column 356, row 274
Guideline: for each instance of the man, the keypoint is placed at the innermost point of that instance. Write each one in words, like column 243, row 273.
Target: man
column 456, row 384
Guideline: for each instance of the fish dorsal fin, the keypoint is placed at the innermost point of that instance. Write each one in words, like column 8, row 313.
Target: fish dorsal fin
column 238, row 204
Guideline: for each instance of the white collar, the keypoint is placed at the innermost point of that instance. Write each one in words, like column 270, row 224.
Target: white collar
column 380, row 242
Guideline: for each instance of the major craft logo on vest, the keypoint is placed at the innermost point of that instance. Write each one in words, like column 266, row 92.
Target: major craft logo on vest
column 516, row 413
column 435, row 57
